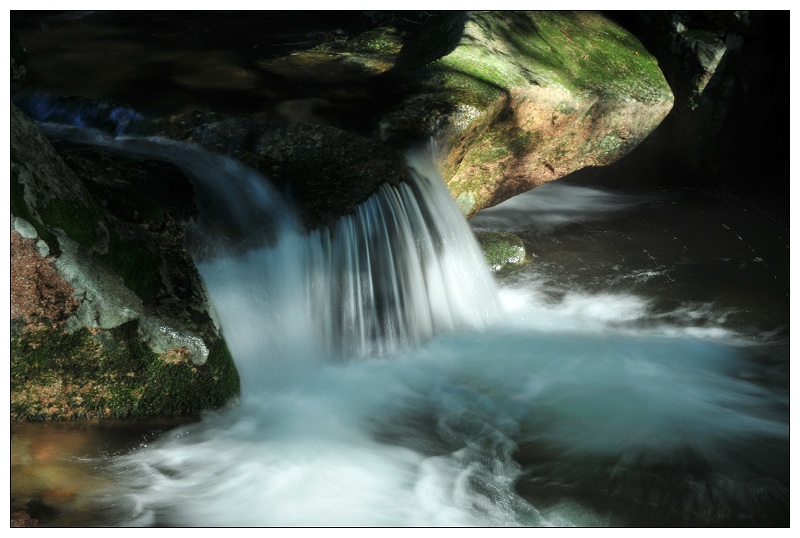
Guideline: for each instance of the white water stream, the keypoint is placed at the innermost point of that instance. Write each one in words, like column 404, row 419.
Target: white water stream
column 387, row 381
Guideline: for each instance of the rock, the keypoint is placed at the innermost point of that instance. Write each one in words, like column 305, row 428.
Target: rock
column 729, row 71
column 518, row 99
column 116, row 322
column 501, row 249
column 324, row 171
column 19, row 59
column 340, row 60
column 24, row 228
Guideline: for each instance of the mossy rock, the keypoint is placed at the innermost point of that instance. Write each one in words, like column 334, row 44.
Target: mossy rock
column 90, row 374
column 138, row 339
column 501, row 249
column 19, row 59
column 521, row 98
column 340, row 61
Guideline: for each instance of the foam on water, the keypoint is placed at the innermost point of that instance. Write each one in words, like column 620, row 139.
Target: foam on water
column 441, row 435
column 386, row 382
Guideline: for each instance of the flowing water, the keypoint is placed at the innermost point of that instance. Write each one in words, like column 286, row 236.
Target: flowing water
column 633, row 372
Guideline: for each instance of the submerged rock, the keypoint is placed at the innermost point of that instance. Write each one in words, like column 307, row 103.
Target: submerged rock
column 110, row 318
column 501, row 249
column 518, row 99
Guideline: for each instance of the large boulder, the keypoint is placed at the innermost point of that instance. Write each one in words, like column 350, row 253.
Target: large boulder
column 513, row 99
column 519, row 99
column 109, row 315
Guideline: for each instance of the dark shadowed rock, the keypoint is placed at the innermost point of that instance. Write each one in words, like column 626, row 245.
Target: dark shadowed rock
column 730, row 74
column 323, row 170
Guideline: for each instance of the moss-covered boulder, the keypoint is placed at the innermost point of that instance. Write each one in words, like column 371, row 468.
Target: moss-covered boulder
column 518, row 99
column 109, row 315
column 501, row 249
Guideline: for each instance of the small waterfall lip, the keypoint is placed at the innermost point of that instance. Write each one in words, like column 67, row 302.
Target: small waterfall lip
column 249, row 213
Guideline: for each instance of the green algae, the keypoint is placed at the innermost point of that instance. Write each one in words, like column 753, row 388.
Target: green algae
column 20, row 209
column 385, row 40
column 79, row 222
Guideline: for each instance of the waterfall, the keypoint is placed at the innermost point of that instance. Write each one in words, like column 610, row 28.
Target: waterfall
column 632, row 375
column 401, row 269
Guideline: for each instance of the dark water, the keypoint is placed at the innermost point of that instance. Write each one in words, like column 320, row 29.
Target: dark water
column 170, row 62
column 706, row 271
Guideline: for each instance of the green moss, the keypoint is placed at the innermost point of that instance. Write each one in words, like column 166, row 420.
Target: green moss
column 578, row 51
column 377, row 41
column 463, row 88
column 483, row 65
column 182, row 388
column 136, row 264
column 486, row 155
column 57, row 375
column 477, row 183
column 78, row 222
column 52, row 371
column 602, row 57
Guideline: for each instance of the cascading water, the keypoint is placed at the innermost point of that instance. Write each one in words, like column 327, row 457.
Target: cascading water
column 387, row 382
column 403, row 268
